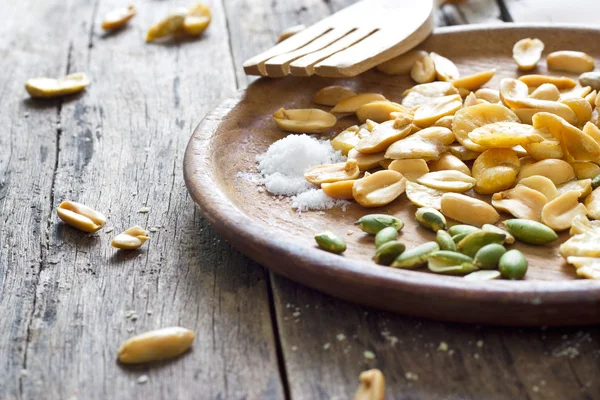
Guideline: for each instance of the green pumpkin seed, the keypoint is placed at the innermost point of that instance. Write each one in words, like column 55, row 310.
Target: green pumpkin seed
column 531, row 232
column 596, row 182
column 510, row 239
column 488, row 256
column 328, row 241
column 457, row 238
column 513, row 265
column 430, row 218
column 416, row 256
column 385, row 235
column 474, row 241
column 387, row 252
column 444, row 240
column 450, row 263
column 373, row 223
column 459, row 229
column 484, row 275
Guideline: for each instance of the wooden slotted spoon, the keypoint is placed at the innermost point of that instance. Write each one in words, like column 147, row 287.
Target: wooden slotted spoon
column 350, row 41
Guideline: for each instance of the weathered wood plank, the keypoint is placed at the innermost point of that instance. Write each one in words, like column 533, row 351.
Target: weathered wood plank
column 27, row 160
column 470, row 12
column 120, row 149
column 581, row 11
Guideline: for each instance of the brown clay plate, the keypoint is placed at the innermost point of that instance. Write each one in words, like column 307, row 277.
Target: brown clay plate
column 272, row 233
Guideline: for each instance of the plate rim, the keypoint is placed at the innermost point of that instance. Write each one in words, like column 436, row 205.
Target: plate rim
column 245, row 234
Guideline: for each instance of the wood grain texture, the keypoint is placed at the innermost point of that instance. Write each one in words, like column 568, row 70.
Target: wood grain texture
column 119, row 148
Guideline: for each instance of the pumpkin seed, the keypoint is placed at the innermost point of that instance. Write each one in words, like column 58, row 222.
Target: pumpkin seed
column 328, row 241
column 416, row 256
column 385, row 235
column 596, row 182
column 456, row 229
column 488, row 256
column 457, row 238
column 513, row 265
column 484, row 275
column 471, row 244
column 531, row 232
column 444, row 240
column 373, row 223
column 430, row 218
column 387, row 252
column 450, row 262
column 510, row 239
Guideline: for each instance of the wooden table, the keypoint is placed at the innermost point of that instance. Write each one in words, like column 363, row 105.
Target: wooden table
column 67, row 300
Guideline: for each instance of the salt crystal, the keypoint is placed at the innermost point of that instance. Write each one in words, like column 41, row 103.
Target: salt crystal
column 144, row 210
column 142, row 379
column 369, row 355
column 316, row 199
column 411, row 376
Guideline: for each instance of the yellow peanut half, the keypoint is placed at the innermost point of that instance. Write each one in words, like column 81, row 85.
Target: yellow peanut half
column 349, row 138
column 424, row 196
column 423, row 70
column 366, row 161
column 449, row 180
column 542, row 184
column 581, row 107
column 505, row 135
column 552, row 107
column 379, row 111
column 550, row 147
column 520, row 201
column 586, row 267
column 581, row 186
column 558, row 171
column 448, row 161
column 558, row 214
column 561, row 82
column 307, row 120
column 470, row 100
column 339, row 190
column 428, row 144
column 332, row 95
column 156, row 345
column 118, row 18
column 353, row 103
column 574, row 142
column 427, row 114
column 80, row 216
column 593, row 131
column 527, row 53
column 445, row 69
column 130, row 239
column 571, row 61
column 384, row 134
column 592, row 203
column 467, row 119
column 547, row 91
column 172, row 24
column 475, row 81
column 512, row 89
column 379, row 188
column 411, row 169
column 462, row 153
column 49, row 87
column 426, row 92
column 327, row 173
column 591, row 98
column 585, row 169
column 489, row 95
column 445, row 122
column 197, row 20
column 402, row 64
column 495, row 170
column 577, row 91
column 468, row 210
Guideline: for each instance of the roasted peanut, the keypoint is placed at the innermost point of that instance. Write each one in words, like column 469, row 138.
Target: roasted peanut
column 560, row 82
column 423, row 196
column 581, row 107
column 462, row 153
column 542, row 184
column 384, row 134
column 505, row 135
column 445, row 122
column 423, row 70
column 424, row 93
column 156, row 345
column 548, row 148
column 577, row 91
column 467, row 119
column 558, row 171
column 521, row 201
column 489, row 95
column 49, row 87
column 450, row 181
column 80, row 216
column 495, row 170
column 379, row 111
column 547, row 91
column 197, row 19
column 512, row 89
column 410, row 169
column 379, row 188
column 539, row 106
column 591, row 98
column 328, row 173
column 308, row 120
column 348, row 139
column 470, row 100
column 427, row 144
column 118, row 18
column 402, row 64
column 585, row 169
column 558, row 213
column 448, row 161
column 291, row 31
column 570, row 61
column 339, row 190
column 582, row 186
column 427, row 114
column 130, row 239
column 353, row 103
column 468, row 210
column 475, row 81
column 527, row 53
column 366, row 161
column 445, row 69
column 593, row 131
column 332, row 95
column 171, row 25
column 592, row 204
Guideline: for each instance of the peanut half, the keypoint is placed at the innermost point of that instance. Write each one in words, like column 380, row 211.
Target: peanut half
column 559, row 213
column 547, row 91
column 445, row 69
column 118, row 18
column 570, row 61
column 197, row 20
column 558, row 171
column 308, row 120
column 521, row 201
column 366, row 161
column 560, row 82
column 410, row 169
column 172, row 24
column 423, row 70
column 379, row 111
column 448, row 161
column 80, row 216
column 383, row 135
column 379, row 188
column 332, row 95
column 156, row 345
column 49, row 87
column 468, row 210
column 426, row 92
column 470, row 118
column 429, row 113
column 402, row 64
column 130, row 239
column 475, row 81
column 328, row 173
column 449, row 180
column 527, row 53
column 428, row 144
column 495, row 170
column 372, row 386
column 353, row 103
